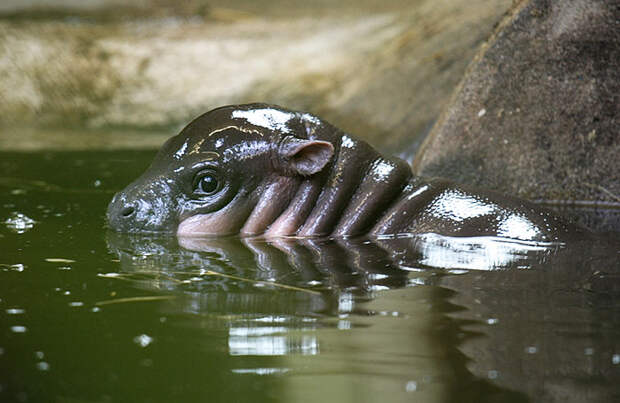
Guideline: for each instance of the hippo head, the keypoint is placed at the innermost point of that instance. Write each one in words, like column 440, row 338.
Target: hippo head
column 227, row 172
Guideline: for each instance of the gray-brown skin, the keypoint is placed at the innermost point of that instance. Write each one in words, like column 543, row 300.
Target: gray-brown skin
column 260, row 169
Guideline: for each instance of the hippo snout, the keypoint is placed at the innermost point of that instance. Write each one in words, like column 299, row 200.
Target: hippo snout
column 121, row 213
column 127, row 213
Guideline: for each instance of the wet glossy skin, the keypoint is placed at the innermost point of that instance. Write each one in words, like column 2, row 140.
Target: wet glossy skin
column 262, row 170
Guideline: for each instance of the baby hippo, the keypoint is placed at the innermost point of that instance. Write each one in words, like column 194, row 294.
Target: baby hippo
column 260, row 169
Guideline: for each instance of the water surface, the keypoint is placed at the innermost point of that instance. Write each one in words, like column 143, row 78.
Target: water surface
column 92, row 316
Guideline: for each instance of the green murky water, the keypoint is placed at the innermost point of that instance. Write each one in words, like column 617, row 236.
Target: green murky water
column 89, row 316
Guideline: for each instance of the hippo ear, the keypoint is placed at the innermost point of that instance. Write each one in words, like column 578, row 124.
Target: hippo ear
column 305, row 157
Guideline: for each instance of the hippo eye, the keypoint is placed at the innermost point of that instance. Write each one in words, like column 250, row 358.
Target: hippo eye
column 205, row 183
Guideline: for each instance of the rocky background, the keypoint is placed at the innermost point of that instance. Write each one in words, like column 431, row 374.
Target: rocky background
column 382, row 70
column 536, row 113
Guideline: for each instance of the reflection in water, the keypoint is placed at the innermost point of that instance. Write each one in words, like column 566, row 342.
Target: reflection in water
column 286, row 297
column 269, row 341
column 479, row 253
column 267, row 336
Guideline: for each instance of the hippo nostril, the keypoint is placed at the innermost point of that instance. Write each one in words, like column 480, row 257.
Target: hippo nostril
column 128, row 211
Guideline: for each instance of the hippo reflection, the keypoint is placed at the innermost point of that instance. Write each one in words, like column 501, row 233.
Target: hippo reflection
column 555, row 299
column 263, row 170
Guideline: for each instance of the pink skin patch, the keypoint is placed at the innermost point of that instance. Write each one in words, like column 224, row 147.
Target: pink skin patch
column 271, row 204
column 226, row 221
column 283, row 227
column 295, row 214
column 218, row 223
column 280, row 210
column 204, row 224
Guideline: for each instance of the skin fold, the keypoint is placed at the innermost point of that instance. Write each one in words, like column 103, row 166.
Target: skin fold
column 261, row 170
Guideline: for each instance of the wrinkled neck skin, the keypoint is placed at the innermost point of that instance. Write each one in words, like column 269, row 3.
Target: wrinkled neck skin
column 344, row 199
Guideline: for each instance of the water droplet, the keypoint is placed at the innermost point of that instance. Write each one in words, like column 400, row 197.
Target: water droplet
column 492, row 321
column 76, row 303
column 482, row 112
column 59, row 260
column 531, row 350
column 19, row 223
column 493, row 374
column 260, row 371
column 43, row 366
column 143, row 340
column 17, row 267
column 615, row 359
column 15, row 311
column 18, row 329
column 588, row 351
column 411, row 386
column 39, row 354
column 95, row 309
column 97, row 183
column 108, row 275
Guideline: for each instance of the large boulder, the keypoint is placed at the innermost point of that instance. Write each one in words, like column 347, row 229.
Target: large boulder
column 538, row 112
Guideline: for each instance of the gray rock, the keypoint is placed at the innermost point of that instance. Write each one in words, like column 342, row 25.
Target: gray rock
column 538, row 112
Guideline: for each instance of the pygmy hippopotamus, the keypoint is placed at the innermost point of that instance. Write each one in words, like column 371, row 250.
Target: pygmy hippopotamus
column 260, row 169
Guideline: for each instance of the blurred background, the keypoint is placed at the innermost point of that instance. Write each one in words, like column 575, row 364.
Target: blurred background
column 115, row 74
